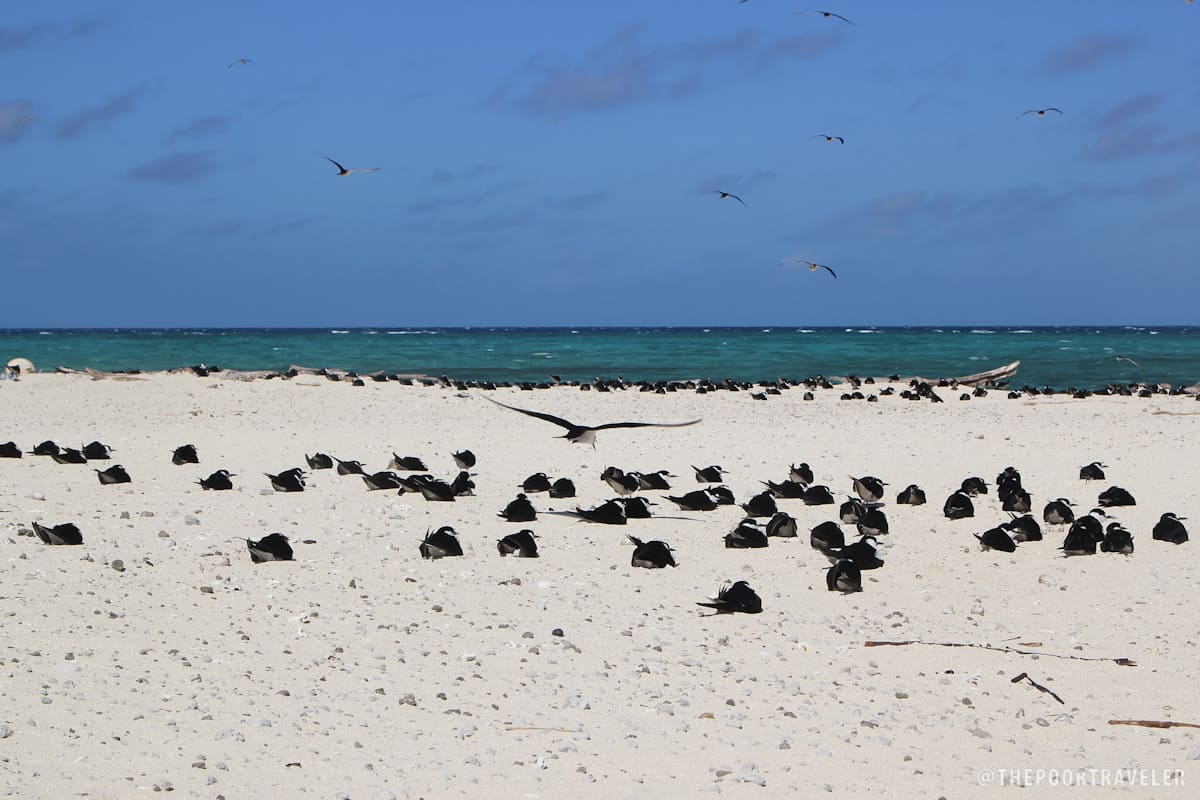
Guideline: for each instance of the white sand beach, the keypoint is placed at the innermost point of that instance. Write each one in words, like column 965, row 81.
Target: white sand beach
column 362, row 671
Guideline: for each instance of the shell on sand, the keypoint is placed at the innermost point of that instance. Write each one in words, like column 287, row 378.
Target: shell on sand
column 23, row 364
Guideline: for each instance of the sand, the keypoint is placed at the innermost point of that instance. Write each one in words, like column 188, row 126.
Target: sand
column 362, row 671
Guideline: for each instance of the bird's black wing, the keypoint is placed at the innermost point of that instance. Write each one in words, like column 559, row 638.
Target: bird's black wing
column 831, row 272
column 839, row 16
column 637, row 424
column 336, row 164
column 740, row 200
column 540, row 415
column 1052, row 108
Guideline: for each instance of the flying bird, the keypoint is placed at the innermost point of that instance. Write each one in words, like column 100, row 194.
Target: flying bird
column 1041, row 112
column 1126, row 358
column 727, row 195
column 829, row 138
column 812, row 265
column 242, row 61
column 342, row 171
column 827, row 15
column 586, row 434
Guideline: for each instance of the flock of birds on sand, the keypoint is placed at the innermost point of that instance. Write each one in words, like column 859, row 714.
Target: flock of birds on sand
column 763, row 520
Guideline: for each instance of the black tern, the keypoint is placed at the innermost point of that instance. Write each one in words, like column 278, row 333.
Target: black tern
column 342, row 171
column 522, row 544
column 911, row 495
column 462, row 484
column 1024, row 529
column 801, row 473
column 519, row 510
column 818, row 495
column 788, row 490
column 430, row 488
column 852, row 510
column 812, row 265
column 1017, row 500
column 96, row 451
column 348, row 467
column 736, row 598
column 827, row 15
column 782, row 525
column 1117, row 540
column 869, row 488
column 827, row 137
column 464, row 459
column 958, row 506
column 10, row 450
column 727, row 195
column 843, row 576
column 997, row 539
column 1092, row 472
column 1058, row 512
column 381, row 480
column 1170, row 529
column 873, row 523
column 185, row 454
column 442, row 543
column 699, row 500
column 651, row 555
column 273, row 547
column 653, row 480
column 864, row 553
column 619, row 482
column 722, row 494
column 609, row 513
column 407, row 463
column 761, row 505
column 1078, row 542
column 114, row 474
column 584, row 434
column 287, row 481
column 747, row 535
column 69, row 455
column 974, row 486
column 240, row 61
column 1041, row 112
column 65, row 534
column 1116, row 496
column 218, row 481
column 827, row 536
column 46, row 448
column 319, row 461
column 713, row 474
column 635, row 507
column 537, row 482
column 1089, row 525
column 563, row 487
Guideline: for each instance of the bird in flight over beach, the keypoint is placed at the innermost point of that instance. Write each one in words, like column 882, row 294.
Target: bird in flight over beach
column 342, row 171
column 1127, row 358
column 586, row 434
column 242, row 61
column 828, row 138
column 727, row 195
column 827, row 15
column 1041, row 112
column 812, row 265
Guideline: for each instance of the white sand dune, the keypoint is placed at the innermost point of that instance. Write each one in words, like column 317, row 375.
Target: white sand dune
column 361, row 671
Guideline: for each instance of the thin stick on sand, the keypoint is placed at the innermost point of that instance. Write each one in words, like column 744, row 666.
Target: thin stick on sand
column 1024, row 676
column 1152, row 723
column 1124, row 662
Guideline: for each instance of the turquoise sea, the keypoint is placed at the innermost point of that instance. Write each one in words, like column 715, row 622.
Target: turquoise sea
column 1059, row 357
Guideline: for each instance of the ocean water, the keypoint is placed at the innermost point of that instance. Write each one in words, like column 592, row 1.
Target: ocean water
column 1058, row 357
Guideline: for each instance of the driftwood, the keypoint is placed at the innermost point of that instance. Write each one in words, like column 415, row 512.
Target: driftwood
column 1124, row 662
column 1024, row 676
column 997, row 374
column 1152, row 723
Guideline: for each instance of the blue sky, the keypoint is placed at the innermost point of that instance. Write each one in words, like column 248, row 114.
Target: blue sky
column 553, row 162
